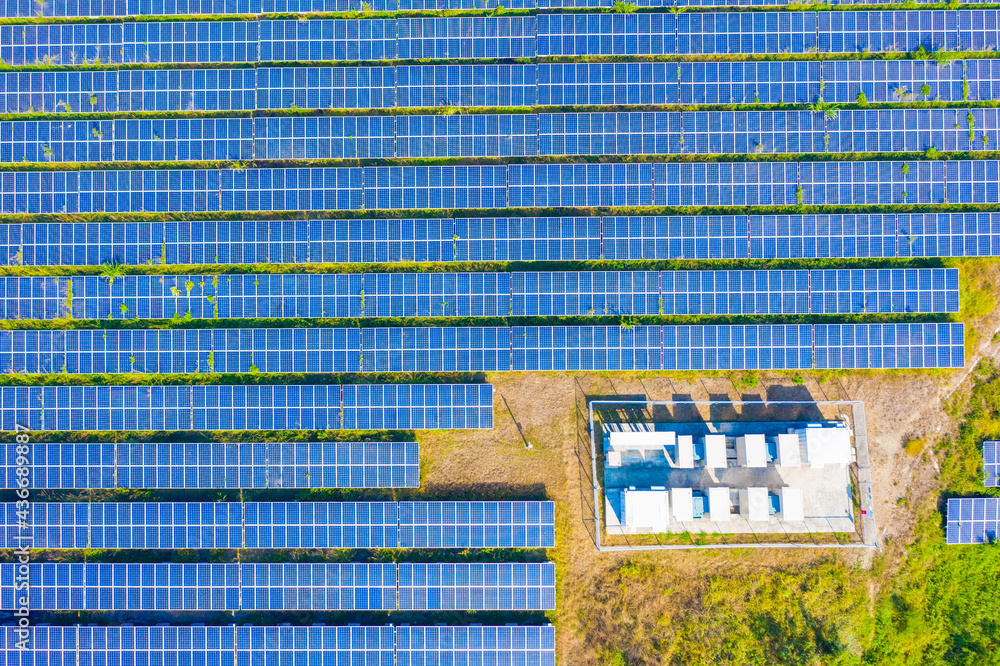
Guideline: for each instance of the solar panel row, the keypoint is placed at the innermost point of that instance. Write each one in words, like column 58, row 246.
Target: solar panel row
column 217, row 465
column 675, row 133
column 763, row 32
column 242, row 586
column 162, row 525
column 547, row 84
column 500, row 239
column 973, row 520
column 316, row 645
column 255, row 407
column 109, row 8
column 502, row 186
column 991, row 464
column 497, row 349
column 563, row 293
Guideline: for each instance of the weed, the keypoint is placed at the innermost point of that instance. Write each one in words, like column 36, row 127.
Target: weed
column 861, row 99
column 110, row 270
column 931, row 153
column 621, row 7
column 914, row 447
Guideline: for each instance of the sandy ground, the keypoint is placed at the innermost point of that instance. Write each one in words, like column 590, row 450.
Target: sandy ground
column 549, row 410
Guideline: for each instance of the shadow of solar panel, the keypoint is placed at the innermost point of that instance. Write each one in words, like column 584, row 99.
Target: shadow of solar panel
column 477, row 586
column 476, row 524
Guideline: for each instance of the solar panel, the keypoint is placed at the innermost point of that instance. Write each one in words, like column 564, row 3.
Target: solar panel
column 63, row 465
column 899, row 290
column 435, row 187
column 478, row 135
column 326, row 88
column 749, row 82
column 437, row 294
column 317, row 644
column 477, row 586
column 607, row 84
column 59, row 645
column 586, row 348
column 585, row 293
column 321, row 524
column 973, row 520
column 183, row 140
column 475, row 645
column 887, row 31
column 61, row 44
column 477, row 525
column 256, row 407
column 189, row 42
column 306, row 6
column 437, row 349
column 326, row 137
column 246, row 465
column 327, row 40
column 688, row 237
column 465, row 86
column 108, row 8
column 180, row 90
column 318, row 586
column 49, row 141
column 889, row 346
column 991, row 464
column 459, row 37
column 166, row 525
column 438, row 5
column 169, row 587
column 756, row 347
column 579, row 185
column 527, row 239
column 160, row 644
column 46, row 525
column 59, row 92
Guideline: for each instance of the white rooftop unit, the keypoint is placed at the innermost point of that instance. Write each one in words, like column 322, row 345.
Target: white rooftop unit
column 645, row 510
column 715, row 451
column 751, row 451
column 638, row 446
column 789, row 454
column 791, row 504
column 682, row 503
column 826, row 446
column 685, row 452
column 720, row 508
column 754, row 505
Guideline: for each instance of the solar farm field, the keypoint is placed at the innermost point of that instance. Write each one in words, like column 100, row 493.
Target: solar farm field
column 303, row 304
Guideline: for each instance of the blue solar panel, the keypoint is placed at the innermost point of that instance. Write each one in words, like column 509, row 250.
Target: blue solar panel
column 437, row 295
column 256, row 407
column 318, row 586
column 690, row 237
column 49, row 141
column 165, row 525
column 528, row 239
column 464, row 86
column 973, row 520
column 160, row 644
column 889, row 346
column 340, row 137
column 317, row 644
column 59, row 92
column 477, row 586
column 326, row 88
column 45, row 525
column 58, row 645
column 437, row 349
column 586, row 348
column 888, row 31
column 607, row 84
column 416, row 646
column 61, row 44
column 991, row 464
column 750, row 82
column 438, row 5
column 321, row 524
column 478, row 135
column 381, row 241
column 343, row 465
column 901, row 290
column 776, row 347
column 327, row 40
column 189, row 42
column 586, row 293
column 579, row 185
column 477, row 524
column 168, row 587
column 108, row 8
column 459, row 37
column 183, row 140
column 435, row 187
column 180, row 90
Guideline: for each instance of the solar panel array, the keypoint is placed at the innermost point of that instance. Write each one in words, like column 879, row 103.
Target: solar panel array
column 218, row 465
column 256, row 407
column 251, row 586
column 973, row 520
column 466, row 37
column 501, row 239
column 991, row 464
column 318, row 645
column 546, row 84
column 327, row 40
